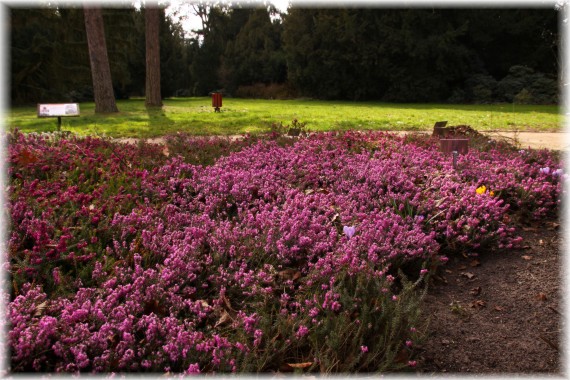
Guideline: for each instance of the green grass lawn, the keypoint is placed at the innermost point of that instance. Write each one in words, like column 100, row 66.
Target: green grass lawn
column 196, row 116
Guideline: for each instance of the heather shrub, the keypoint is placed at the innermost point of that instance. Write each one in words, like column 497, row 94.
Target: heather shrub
column 253, row 255
column 63, row 194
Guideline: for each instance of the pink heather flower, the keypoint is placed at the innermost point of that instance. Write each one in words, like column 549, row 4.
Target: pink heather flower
column 302, row 331
column 423, row 271
column 394, row 298
column 412, row 363
column 364, row 349
column 545, row 170
column 258, row 334
column 349, row 231
column 313, row 312
column 193, row 368
column 56, row 277
column 413, row 329
column 409, row 343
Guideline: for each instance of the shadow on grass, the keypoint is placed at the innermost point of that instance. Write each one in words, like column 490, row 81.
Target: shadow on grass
column 158, row 122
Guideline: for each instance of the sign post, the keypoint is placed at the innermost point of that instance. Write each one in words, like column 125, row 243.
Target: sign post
column 59, row 111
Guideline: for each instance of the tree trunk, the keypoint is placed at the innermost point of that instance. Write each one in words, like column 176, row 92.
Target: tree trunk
column 100, row 70
column 152, row 25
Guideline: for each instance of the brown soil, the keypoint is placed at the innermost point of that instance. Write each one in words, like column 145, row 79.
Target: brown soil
column 499, row 312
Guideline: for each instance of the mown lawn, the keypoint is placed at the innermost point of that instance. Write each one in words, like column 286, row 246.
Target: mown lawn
column 196, row 116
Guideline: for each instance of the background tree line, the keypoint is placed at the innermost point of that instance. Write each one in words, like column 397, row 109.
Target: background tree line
column 397, row 55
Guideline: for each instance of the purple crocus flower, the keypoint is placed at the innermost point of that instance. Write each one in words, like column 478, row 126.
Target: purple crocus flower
column 557, row 172
column 545, row 170
column 349, row 231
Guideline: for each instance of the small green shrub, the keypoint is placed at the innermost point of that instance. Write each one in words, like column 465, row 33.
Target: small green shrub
column 375, row 330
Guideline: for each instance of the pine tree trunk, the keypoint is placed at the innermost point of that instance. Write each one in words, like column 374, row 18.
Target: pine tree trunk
column 152, row 25
column 100, row 70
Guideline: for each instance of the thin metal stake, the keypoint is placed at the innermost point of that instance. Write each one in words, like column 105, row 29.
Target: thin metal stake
column 455, row 154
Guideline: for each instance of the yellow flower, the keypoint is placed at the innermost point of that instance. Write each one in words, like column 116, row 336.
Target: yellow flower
column 492, row 193
column 481, row 190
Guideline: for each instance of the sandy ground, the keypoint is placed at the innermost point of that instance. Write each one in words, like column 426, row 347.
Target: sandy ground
column 537, row 140
column 534, row 140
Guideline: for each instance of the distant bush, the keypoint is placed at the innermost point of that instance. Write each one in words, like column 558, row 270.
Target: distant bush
column 265, row 91
column 522, row 85
column 81, row 94
column 481, row 88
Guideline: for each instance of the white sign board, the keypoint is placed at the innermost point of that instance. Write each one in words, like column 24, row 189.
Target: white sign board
column 57, row 110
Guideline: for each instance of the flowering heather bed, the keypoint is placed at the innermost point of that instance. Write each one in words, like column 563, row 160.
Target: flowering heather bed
column 280, row 255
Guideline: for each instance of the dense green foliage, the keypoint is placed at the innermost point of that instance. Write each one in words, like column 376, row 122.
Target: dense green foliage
column 196, row 116
column 393, row 55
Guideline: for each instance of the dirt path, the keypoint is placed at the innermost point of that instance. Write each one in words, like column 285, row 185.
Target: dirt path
column 534, row 140
column 500, row 312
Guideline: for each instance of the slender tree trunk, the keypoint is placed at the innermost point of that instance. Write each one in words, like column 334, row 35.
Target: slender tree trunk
column 152, row 25
column 100, row 70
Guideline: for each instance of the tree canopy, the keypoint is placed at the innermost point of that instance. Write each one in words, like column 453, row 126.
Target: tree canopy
column 397, row 55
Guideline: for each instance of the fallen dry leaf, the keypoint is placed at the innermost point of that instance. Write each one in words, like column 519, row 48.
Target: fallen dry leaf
column 227, row 303
column 289, row 274
column 203, row 303
column 475, row 291
column 499, row 308
column 463, row 267
column 469, row 275
column 335, row 218
column 448, row 271
column 440, row 279
column 26, row 157
column 224, row 319
column 300, row 365
column 541, row 242
column 475, row 263
column 527, row 257
column 478, row 304
column 402, row 356
column 541, row 297
column 40, row 309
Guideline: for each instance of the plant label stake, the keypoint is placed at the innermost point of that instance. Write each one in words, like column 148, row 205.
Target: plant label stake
column 439, row 128
column 59, row 111
column 455, row 154
column 455, row 147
